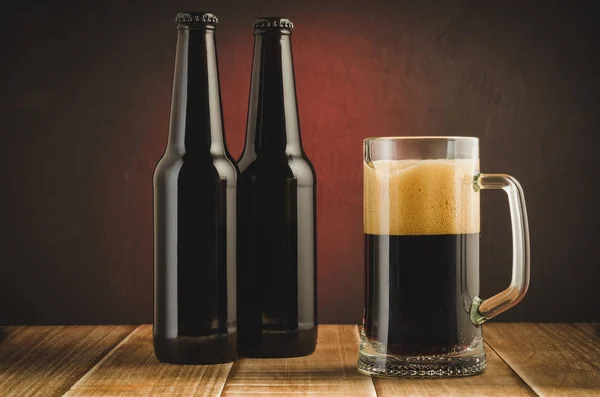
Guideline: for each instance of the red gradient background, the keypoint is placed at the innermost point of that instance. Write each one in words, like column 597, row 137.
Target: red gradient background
column 85, row 105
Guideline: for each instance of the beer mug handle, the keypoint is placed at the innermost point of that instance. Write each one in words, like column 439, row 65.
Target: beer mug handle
column 483, row 310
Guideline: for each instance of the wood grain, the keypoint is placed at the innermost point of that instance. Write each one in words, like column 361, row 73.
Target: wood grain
column 46, row 361
column 330, row 371
column 131, row 369
column 523, row 360
column 554, row 359
column 498, row 380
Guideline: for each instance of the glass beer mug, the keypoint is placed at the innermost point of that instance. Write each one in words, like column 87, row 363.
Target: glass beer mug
column 422, row 313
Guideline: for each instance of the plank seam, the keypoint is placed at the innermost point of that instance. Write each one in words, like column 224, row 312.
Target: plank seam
column 232, row 369
column 374, row 386
column 512, row 369
column 371, row 377
column 109, row 354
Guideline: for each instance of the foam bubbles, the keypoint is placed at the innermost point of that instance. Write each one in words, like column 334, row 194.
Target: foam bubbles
column 420, row 197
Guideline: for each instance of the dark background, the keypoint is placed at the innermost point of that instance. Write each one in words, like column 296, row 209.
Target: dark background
column 85, row 96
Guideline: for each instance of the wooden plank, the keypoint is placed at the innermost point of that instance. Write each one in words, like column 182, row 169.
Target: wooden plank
column 554, row 359
column 330, row 371
column 131, row 369
column 47, row 361
column 497, row 380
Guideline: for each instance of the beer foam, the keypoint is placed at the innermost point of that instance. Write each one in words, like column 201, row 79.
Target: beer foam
column 420, row 197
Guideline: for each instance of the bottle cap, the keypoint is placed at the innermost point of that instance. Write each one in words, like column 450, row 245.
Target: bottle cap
column 196, row 19
column 273, row 23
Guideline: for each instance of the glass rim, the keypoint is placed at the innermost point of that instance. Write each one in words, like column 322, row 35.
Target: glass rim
column 421, row 138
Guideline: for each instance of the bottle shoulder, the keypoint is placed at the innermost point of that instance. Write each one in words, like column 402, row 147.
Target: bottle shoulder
column 217, row 167
column 295, row 167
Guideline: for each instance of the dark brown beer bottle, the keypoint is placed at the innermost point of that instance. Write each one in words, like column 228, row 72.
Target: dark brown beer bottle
column 195, row 211
column 276, row 209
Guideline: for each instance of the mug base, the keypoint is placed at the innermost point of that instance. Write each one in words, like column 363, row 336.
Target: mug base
column 376, row 362
column 428, row 368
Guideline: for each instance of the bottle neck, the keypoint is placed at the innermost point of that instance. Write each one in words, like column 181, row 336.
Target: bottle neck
column 273, row 125
column 196, row 115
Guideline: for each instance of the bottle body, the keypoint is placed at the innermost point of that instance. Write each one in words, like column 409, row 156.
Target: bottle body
column 195, row 316
column 195, row 276
column 277, row 269
column 276, row 215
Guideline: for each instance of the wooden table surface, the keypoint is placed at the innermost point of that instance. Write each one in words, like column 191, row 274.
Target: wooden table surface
column 523, row 360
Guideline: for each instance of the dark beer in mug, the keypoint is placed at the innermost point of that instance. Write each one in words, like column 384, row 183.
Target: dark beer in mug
column 424, row 248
